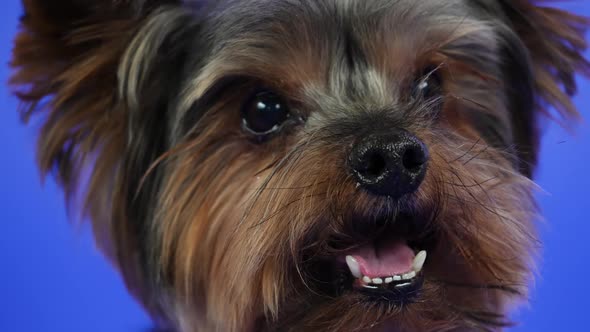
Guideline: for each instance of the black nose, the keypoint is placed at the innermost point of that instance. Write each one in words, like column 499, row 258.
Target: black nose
column 389, row 165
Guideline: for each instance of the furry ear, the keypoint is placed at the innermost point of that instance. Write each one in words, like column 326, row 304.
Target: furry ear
column 555, row 42
column 68, row 58
column 69, row 51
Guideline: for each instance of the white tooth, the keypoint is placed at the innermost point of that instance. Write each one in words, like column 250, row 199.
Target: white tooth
column 409, row 275
column 377, row 281
column 397, row 277
column 354, row 267
column 369, row 287
column 367, row 280
column 403, row 285
column 388, row 280
column 419, row 261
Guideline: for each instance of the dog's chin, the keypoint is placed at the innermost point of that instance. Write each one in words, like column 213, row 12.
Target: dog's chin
column 381, row 262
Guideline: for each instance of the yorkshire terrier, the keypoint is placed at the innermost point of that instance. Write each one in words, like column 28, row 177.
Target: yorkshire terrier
column 304, row 165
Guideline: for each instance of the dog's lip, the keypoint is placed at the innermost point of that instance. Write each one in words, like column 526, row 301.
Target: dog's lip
column 396, row 293
column 414, row 230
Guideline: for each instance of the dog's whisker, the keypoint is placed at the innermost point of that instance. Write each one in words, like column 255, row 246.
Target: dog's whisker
column 476, row 183
column 509, row 288
column 284, row 207
column 476, row 155
column 258, row 193
column 486, row 321
column 295, row 188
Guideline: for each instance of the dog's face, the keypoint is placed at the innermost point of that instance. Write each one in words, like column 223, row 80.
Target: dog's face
column 305, row 165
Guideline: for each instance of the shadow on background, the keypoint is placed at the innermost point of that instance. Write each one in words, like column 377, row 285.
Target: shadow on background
column 53, row 280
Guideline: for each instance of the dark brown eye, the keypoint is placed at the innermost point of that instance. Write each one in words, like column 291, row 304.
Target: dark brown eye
column 429, row 85
column 264, row 113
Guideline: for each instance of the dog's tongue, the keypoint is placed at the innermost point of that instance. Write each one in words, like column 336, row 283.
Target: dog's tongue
column 385, row 259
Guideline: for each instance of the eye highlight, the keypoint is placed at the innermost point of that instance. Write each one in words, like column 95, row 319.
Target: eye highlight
column 264, row 113
column 429, row 85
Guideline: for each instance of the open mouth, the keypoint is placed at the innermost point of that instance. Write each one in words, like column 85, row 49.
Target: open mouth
column 391, row 264
column 387, row 270
column 386, row 262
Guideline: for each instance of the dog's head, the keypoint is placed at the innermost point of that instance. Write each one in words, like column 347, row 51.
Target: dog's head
column 291, row 165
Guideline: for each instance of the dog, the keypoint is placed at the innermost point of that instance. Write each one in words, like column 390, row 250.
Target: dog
column 304, row 165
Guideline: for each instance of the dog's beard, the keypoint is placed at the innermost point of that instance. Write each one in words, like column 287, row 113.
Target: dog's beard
column 272, row 231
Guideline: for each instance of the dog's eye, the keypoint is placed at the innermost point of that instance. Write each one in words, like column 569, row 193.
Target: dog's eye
column 429, row 84
column 264, row 113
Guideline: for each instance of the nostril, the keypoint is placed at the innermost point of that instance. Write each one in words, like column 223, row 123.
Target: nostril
column 375, row 165
column 414, row 158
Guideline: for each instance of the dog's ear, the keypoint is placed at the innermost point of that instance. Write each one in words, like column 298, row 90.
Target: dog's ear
column 555, row 40
column 543, row 52
column 78, row 68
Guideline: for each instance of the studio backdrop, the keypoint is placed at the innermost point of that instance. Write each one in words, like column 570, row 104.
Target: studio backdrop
column 52, row 279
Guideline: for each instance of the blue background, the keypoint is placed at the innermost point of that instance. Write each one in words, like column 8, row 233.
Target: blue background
column 53, row 279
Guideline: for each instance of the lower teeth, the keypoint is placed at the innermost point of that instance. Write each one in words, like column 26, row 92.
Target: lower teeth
column 396, row 281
